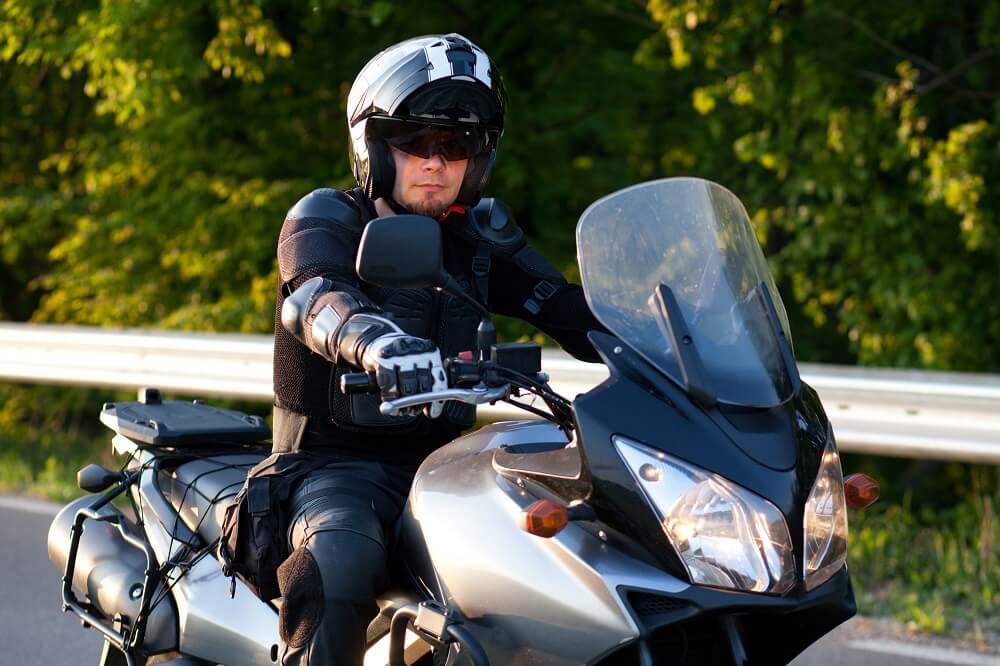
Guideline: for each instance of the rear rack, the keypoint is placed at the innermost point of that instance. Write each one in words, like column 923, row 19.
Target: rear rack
column 126, row 639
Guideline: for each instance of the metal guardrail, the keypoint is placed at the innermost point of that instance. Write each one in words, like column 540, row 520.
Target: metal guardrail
column 905, row 413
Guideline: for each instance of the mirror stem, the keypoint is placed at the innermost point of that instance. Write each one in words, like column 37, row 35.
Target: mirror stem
column 486, row 334
column 486, row 337
column 452, row 288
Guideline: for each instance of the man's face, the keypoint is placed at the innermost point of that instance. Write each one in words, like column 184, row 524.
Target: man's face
column 426, row 185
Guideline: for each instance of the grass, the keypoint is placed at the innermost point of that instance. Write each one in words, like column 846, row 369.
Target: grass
column 48, row 469
column 47, row 433
column 933, row 565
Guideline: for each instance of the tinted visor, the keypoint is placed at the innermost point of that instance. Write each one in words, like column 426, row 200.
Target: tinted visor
column 425, row 140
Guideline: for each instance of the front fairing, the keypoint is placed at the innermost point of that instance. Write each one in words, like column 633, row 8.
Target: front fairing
column 639, row 403
column 751, row 421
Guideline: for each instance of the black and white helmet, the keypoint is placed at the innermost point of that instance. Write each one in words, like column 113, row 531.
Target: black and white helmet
column 426, row 86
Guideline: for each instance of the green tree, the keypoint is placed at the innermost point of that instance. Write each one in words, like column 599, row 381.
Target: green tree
column 150, row 149
column 862, row 138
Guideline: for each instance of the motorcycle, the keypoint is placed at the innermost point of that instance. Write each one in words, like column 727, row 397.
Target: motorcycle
column 690, row 509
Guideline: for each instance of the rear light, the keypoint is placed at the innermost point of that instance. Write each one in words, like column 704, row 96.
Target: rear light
column 861, row 490
column 544, row 518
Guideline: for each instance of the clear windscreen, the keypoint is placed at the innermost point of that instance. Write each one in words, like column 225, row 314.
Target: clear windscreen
column 693, row 237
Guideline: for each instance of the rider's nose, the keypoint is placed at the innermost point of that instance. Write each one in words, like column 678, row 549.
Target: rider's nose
column 434, row 163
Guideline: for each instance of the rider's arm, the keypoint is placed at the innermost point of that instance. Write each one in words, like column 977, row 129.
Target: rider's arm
column 324, row 307
column 524, row 284
column 529, row 287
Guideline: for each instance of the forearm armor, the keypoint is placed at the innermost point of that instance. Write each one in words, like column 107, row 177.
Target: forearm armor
column 332, row 323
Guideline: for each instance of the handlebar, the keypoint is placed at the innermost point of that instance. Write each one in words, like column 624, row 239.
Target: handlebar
column 365, row 382
column 358, row 382
column 471, row 381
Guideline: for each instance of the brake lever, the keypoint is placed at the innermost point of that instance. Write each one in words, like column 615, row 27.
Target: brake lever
column 474, row 396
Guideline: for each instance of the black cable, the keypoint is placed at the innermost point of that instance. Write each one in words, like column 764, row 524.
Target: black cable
column 561, row 408
column 560, row 417
column 170, row 563
column 543, row 389
column 136, row 507
column 533, row 410
column 555, row 401
column 198, row 555
column 535, row 387
column 187, row 488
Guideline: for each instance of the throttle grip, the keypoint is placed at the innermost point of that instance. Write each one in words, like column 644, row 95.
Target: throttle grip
column 359, row 382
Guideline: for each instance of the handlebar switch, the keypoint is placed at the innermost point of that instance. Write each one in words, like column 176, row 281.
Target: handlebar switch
column 462, row 372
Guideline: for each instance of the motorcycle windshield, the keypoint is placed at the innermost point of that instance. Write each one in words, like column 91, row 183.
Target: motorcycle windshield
column 675, row 262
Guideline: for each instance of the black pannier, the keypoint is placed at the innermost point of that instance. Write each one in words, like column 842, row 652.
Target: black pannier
column 254, row 540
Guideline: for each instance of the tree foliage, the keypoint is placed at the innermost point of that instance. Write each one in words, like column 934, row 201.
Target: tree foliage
column 150, row 149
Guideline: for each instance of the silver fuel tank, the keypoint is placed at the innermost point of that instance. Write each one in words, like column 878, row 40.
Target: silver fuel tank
column 527, row 599
column 110, row 573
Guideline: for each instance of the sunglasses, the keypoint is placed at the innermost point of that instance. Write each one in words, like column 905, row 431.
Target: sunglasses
column 423, row 140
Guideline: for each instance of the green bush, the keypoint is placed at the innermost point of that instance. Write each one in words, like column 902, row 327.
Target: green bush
column 927, row 555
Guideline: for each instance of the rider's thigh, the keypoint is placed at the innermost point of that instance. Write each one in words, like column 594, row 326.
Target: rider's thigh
column 362, row 486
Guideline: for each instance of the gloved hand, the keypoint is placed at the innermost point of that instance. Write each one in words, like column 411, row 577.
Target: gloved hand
column 405, row 365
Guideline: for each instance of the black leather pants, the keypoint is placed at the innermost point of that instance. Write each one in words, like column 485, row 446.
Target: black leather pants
column 342, row 521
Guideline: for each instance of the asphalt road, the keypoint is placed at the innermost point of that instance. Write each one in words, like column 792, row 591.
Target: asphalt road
column 34, row 632
column 33, row 629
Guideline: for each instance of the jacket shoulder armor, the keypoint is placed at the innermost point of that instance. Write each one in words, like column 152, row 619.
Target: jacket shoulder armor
column 327, row 203
column 492, row 221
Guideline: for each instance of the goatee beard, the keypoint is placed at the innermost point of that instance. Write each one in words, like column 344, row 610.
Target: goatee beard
column 429, row 208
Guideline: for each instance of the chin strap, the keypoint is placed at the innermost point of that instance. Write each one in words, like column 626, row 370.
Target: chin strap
column 454, row 208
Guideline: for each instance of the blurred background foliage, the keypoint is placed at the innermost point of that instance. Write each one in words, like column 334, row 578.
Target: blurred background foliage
column 149, row 151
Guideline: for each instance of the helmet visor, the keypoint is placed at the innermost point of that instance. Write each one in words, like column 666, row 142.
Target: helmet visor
column 452, row 142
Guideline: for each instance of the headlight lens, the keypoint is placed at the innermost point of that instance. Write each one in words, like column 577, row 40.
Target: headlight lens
column 825, row 521
column 726, row 535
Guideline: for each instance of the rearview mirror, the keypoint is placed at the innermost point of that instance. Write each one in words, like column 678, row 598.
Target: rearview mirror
column 401, row 251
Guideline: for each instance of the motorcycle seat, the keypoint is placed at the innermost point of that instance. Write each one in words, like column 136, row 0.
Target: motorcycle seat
column 201, row 489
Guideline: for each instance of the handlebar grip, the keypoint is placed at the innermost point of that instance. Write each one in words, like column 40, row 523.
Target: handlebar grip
column 358, row 382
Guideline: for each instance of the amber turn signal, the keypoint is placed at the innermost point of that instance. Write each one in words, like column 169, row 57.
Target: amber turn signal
column 544, row 518
column 861, row 490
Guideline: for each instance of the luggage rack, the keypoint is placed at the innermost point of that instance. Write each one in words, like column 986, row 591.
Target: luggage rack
column 116, row 632
column 154, row 422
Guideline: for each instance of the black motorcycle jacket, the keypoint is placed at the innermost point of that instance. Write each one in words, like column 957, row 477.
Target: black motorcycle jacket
column 490, row 259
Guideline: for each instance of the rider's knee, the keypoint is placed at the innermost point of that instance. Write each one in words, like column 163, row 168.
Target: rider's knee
column 301, row 586
column 352, row 565
column 332, row 578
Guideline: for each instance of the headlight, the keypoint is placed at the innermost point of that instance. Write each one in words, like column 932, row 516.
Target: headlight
column 825, row 521
column 726, row 535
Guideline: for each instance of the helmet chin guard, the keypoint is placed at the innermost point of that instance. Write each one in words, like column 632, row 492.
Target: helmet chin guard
column 477, row 175
column 381, row 170
column 442, row 78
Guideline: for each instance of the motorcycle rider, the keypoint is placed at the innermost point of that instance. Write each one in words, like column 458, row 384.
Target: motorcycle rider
column 425, row 117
